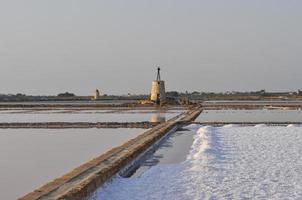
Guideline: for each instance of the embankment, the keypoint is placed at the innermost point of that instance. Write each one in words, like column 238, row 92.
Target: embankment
column 61, row 125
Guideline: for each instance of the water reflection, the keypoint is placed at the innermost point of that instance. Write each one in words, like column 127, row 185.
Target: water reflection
column 86, row 117
column 158, row 117
column 32, row 157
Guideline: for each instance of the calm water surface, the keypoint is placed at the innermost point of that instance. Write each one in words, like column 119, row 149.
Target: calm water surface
column 250, row 116
column 102, row 102
column 31, row 157
column 86, row 116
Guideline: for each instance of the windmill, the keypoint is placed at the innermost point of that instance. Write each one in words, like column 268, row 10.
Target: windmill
column 158, row 93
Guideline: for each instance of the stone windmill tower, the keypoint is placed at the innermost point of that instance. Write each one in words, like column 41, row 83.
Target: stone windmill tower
column 96, row 95
column 158, row 93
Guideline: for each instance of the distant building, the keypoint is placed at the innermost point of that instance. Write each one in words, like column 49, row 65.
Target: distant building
column 158, row 93
column 96, row 95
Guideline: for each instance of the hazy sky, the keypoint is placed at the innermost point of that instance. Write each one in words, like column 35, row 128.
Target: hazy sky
column 52, row 46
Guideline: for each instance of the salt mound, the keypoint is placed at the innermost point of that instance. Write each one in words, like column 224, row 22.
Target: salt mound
column 200, row 144
column 192, row 127
column 291, row 126
column 230, row 126
column 219, row 167
column 260, row 125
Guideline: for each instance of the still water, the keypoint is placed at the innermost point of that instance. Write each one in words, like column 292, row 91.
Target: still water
column 31, row 157
column 86, row 116
column 99, row 102
column 260, row 116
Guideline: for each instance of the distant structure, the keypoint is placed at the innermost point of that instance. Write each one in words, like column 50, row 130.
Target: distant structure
column 96, row 95
column 158, row 93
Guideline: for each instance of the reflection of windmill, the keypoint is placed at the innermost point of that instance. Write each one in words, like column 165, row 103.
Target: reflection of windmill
column 158, row 93
column 158, row 117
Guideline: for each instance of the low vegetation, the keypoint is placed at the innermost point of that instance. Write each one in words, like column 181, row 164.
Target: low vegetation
column 183, row 96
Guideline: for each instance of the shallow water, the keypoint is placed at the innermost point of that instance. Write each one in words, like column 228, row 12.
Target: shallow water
column 31, row 157
column 87, row 116
column 258, row 116
column 224, row 163
column 105, row 102
column 255, row 102
column 173, row 149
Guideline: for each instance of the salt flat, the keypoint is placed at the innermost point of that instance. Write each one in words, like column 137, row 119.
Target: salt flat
column 224, row 163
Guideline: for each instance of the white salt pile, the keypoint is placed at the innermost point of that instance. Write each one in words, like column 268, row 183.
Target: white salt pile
column 224, row 163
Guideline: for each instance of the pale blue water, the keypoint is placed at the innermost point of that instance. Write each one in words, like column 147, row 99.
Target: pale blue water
column 31, row 157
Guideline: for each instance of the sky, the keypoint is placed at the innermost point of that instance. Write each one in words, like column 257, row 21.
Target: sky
column 53, row 46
